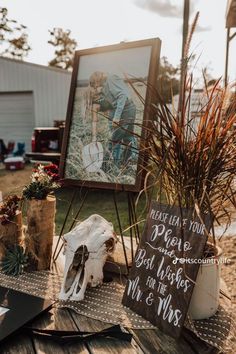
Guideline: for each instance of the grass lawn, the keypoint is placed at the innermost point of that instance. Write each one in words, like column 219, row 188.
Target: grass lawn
column 97, row 201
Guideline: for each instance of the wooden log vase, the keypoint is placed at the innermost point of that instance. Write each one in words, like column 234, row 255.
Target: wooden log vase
column 41, row 230
column 11, row 233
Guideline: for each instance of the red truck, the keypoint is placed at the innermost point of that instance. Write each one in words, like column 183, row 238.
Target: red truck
column 46, row 144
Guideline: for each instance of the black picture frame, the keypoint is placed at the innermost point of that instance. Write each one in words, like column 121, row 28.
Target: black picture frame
column 84, row 160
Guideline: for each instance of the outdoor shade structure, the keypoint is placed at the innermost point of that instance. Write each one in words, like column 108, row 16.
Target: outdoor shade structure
column 230, row 23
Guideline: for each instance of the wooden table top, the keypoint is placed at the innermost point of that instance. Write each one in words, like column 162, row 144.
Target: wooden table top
column 144, row 341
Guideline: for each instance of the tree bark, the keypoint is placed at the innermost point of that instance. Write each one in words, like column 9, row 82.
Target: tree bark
column 41, row 229
column 11, row 234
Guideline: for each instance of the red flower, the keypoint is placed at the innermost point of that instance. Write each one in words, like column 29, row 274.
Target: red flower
column 52, row 171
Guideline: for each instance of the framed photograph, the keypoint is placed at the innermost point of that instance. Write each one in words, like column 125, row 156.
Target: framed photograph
column 107, row 112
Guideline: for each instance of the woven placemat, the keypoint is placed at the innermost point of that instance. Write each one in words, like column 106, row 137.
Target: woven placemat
column 43, row 284
column 104, row 303
column 218, row 330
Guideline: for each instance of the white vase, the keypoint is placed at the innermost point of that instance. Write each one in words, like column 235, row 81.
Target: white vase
column 205, row 298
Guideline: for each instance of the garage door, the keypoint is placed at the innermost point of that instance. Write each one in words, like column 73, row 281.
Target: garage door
column 17, row 117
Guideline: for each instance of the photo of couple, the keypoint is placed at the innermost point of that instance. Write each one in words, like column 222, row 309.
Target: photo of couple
column 107, row 116
column 111, row 97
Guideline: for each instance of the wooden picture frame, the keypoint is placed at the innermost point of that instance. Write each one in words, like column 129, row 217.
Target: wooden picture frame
column 99, row 149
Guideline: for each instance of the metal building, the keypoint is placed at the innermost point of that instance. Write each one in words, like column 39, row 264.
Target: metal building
column 31, row 96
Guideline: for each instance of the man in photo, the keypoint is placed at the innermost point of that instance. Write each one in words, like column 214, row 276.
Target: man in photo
column 114, row 97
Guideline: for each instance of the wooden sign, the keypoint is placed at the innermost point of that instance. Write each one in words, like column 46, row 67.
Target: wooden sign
column 165, row 267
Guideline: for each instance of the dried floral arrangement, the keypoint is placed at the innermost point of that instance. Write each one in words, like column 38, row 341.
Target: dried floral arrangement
column 44, row 180
column 191, row 155
column 9, row 208
column 13, row 259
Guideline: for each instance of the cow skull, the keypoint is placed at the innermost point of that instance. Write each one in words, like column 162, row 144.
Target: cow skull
column 86, row 249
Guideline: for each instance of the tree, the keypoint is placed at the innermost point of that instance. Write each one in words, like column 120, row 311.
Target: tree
column 13, row 37
column 168, row 81
column 65, row 48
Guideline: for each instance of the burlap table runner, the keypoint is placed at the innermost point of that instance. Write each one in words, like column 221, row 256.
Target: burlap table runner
column 104, row 304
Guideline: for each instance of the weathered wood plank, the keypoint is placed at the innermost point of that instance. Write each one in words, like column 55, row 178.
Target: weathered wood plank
column 197, row 344
column 20, row 344
column 154, row 341
column 102, row 346
column 57, row 319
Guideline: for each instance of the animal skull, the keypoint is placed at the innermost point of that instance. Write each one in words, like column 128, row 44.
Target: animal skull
column 86, row 249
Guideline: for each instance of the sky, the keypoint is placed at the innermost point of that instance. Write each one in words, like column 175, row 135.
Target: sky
column 101, row 22
column 119, row 62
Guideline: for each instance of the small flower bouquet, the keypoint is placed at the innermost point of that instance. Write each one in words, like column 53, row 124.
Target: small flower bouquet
column 44, row 181
column 10, row 224
column 9, row 209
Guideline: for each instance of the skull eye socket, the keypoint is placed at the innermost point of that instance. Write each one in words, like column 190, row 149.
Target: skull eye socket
column 110, row 244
